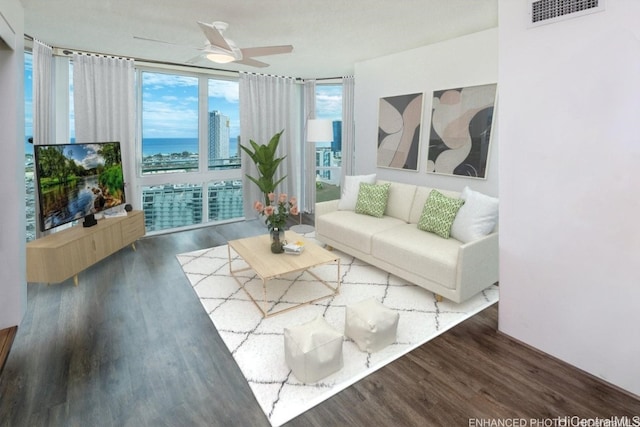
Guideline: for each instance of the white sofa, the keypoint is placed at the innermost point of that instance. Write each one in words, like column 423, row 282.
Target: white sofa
column 446, row 266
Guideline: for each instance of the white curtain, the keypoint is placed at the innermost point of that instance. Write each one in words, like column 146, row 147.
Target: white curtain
column 348, row 126
column 43, row 90
column 267, row 106
column 309, row 148
column 104, row 103
column 43, row 78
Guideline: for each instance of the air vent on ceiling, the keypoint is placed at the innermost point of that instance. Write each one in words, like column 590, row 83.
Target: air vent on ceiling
column 547, row 11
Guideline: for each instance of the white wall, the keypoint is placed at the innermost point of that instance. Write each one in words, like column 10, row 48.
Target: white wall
column 465, row 61
column 13, row 289
column 570, row 187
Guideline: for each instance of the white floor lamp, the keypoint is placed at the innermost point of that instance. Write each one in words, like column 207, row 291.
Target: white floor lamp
column 318, row 130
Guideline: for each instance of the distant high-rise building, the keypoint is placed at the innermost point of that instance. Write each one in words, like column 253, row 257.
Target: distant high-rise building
column 218, row 138
column 336, row 144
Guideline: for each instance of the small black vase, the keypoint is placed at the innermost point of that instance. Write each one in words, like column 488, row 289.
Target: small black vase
column 277, row 240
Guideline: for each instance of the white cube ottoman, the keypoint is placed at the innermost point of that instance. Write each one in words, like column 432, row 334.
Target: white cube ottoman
column 313, row 350
column 371, row 325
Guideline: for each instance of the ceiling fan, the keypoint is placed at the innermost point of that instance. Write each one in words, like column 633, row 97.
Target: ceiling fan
column 219, row 49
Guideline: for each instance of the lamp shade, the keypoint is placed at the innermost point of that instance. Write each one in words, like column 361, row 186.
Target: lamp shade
column 319, row 130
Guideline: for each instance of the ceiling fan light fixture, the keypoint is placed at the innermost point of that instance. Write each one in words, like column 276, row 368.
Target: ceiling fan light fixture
column 221, row 58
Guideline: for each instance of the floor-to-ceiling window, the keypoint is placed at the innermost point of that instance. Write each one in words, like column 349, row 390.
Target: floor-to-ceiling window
column 329, row 154
column 190, row 168
column 30, row 201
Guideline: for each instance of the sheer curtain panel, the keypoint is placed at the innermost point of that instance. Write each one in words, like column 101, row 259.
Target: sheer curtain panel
column 43, row 99
column 267, row 106
column 348, row 127
column 104, row 103
column 309, row 148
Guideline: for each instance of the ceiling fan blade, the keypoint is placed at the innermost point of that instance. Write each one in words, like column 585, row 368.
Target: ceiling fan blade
column 249, row 52
column 195, row 59
column 214, row 36
column 165, row 42
column 251, row 62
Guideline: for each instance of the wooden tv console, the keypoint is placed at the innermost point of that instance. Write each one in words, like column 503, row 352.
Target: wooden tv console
column 59, row 256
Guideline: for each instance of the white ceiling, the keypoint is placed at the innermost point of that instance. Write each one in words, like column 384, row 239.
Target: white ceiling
column 328, row 36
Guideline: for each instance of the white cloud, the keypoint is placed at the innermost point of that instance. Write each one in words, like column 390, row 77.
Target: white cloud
column 224, row 89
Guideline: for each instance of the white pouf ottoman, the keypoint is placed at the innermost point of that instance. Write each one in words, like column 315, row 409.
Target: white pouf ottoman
column 313, row 350
column 371, row 325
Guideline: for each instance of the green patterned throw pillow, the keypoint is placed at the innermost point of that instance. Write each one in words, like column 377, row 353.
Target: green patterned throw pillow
column 438, row 214
column 372, row 199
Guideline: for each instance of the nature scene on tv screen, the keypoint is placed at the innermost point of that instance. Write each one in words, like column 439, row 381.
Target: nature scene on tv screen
column 75, row 180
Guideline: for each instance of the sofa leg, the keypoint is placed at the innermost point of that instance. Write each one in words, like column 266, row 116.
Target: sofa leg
column 439, row 298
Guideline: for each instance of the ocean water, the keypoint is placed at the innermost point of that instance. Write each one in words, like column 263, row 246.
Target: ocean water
column 151, row 146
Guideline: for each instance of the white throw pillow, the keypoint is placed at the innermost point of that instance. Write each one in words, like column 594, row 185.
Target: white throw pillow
column 350, row 188
column 476, row 218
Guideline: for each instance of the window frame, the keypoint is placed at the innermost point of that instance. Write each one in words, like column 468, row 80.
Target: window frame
column 202, row 176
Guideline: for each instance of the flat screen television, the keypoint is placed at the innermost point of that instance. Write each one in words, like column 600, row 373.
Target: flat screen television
column 77, row 180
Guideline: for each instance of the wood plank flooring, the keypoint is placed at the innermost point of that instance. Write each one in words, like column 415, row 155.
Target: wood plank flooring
column 132, row 346
column 7, row 336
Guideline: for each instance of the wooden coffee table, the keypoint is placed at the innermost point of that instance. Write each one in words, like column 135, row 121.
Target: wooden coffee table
column 256, row 252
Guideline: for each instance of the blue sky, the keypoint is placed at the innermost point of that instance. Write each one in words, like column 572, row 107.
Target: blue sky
column 170, row 103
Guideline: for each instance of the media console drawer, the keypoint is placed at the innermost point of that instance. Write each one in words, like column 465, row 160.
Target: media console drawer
column 59, row 256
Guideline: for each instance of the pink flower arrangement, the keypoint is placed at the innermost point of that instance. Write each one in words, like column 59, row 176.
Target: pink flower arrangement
column 276, row 215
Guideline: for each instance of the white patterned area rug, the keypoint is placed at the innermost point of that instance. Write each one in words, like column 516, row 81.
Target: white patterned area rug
column 257, row 343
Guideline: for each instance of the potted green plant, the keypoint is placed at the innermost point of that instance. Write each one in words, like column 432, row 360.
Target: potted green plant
column 264, row 157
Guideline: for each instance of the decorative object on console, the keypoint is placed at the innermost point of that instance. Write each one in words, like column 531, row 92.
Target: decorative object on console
column 461, row 122
column 438, row 214
column 399, row 124
column 89, row 221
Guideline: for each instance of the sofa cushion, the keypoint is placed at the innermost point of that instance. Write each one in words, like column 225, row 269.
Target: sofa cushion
column 400, row 199
column 372, row 199
column 424, row 254
column 350, row 189
column 352, row 229
column 438, row 214
column 476, row 218
column 422, row 194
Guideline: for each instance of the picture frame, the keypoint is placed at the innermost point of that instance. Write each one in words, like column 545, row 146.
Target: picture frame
column 399, row 129
column 460, row 131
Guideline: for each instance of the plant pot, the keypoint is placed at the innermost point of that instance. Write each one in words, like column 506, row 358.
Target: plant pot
column 277, row 240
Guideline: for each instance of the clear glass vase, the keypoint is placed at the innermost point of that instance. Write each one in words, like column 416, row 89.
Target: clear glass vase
column 277, row 240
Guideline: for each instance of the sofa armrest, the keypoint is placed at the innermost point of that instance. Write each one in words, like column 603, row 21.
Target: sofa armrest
column 478, row 265
column 326, row 207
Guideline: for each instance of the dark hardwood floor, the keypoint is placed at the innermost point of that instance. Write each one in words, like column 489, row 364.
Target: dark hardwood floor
column 132, row 346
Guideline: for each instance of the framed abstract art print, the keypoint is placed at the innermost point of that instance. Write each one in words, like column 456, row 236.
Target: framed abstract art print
column 399, row 126
column 460, row 132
